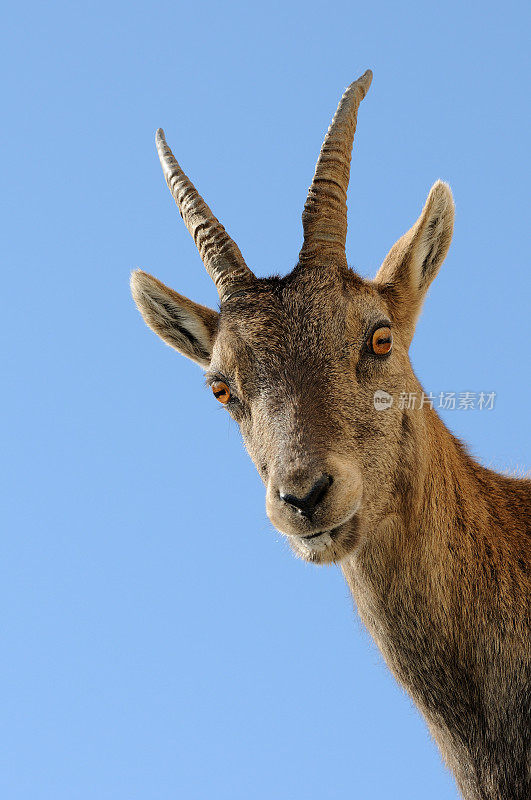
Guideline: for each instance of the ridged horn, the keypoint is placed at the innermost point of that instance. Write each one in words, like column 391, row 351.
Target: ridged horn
column 324, row 219
column 220, row 255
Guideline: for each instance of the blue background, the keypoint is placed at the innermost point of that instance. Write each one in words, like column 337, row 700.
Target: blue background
column 158, row 638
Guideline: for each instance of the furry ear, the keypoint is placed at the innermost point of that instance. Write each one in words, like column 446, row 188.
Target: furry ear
column 187, row 326
column 414, row 261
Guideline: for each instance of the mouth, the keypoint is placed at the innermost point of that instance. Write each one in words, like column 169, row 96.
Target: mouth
column 331, row 534
column 326, row 547
column 317, row 535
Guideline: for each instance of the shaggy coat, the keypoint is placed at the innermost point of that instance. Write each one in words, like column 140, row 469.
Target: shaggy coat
column 434, row 547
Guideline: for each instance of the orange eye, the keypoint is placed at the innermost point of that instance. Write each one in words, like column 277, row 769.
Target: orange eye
column 221, row 392
column 381, row 341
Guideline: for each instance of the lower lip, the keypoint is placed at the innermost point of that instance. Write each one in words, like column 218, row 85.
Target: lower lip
column 321, row 533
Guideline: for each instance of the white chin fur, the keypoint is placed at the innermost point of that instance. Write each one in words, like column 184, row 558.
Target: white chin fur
column 317, row 544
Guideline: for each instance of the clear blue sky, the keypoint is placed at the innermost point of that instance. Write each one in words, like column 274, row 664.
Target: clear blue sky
column 158, row 639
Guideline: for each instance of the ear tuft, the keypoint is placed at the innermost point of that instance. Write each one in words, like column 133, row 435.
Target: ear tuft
column 435, row 232
column 184, row 325
column 414, row 261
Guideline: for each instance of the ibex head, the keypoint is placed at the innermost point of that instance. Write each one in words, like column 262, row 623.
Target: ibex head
column 297, row 360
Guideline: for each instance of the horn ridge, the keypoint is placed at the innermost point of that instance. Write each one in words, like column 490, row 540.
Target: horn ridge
column 324, row 218
column 220, row 254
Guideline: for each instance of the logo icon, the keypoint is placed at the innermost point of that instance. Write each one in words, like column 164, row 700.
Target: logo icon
column 382, row 400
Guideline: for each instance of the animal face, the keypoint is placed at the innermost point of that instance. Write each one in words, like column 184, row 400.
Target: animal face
column 297, row 361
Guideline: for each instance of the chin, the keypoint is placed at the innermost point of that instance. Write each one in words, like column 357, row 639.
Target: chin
column 327, row 547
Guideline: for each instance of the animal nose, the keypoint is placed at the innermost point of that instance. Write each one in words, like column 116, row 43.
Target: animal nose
column 306, row 505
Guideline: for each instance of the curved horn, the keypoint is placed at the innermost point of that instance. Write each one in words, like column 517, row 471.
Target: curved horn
column 324, row 219
column 220, row 255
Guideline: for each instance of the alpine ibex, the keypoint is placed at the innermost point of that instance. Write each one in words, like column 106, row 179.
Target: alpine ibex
column 434, row 546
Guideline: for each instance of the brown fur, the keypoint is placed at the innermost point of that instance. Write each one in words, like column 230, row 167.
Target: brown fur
column 435, row 548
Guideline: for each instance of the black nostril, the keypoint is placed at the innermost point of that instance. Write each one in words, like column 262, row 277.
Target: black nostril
column 306, row 505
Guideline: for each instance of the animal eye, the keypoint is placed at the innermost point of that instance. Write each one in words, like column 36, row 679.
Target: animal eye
column 381, row 341
column 221, row 392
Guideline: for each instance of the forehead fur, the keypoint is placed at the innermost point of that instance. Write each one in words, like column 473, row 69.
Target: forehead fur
column 317, row 305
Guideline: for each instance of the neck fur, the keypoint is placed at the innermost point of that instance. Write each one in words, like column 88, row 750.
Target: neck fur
column 436, row 582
